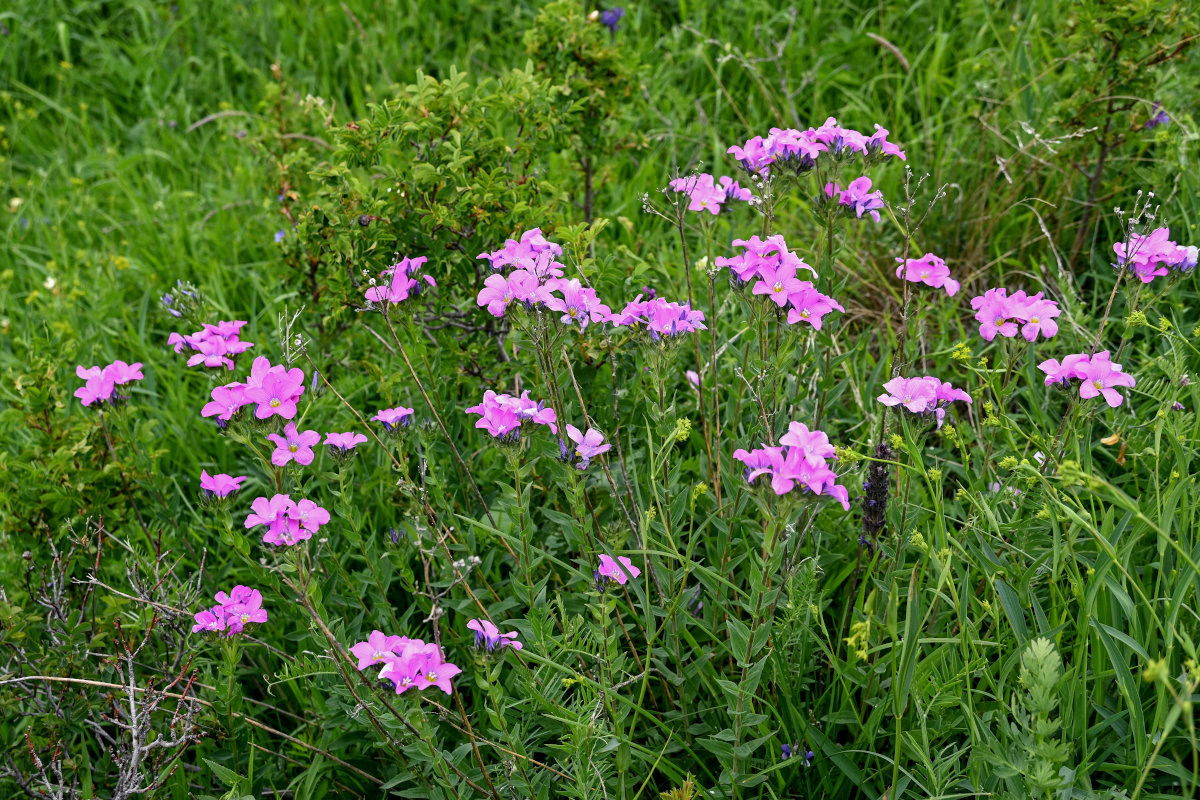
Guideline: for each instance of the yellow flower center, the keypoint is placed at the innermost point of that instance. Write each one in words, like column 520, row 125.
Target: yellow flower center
column 431, row 677
column 293, row 447
column 778, row 288
column 1098, row 384
column 804, row 314
column 999, row 321
column 924, row 275
column 245, row 618
column 1034, row 320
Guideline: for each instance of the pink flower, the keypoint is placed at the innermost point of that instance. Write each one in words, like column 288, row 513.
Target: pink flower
column 499, row 291
column 310, row 516
column 814, row 444
column 523, row 254
column 293, row 446
column 344, row 442
column 377, row 649
column 405, row 282
column 489, row 637
column 618, row 570
column 120, row 373
column 858, row 197
column 1097, row 374
column 999, row 313
column 276, row 515
column 802, row 461
column 209, row 620
column 226, row 400
column 394, row 417
column 274, row 389
column 1068, row 370
column 502, row 415
column 96, row 389
column 922, row 395
column 778, row 282
column 693, row 378
column 759, row 256
column 587, row 445
column 211, row 353
column 220, row 485
column 578, row 304
column 232, row 613
column 1154, row 255
column 929, row 270
column 419, row 665
column 808, row 305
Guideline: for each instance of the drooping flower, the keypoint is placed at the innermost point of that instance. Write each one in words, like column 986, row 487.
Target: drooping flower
column 294, row 445
column 587, row 445
column 617, row 570
column 220, row 485
column 489, row 637
column 929, row 270
column 394, row 417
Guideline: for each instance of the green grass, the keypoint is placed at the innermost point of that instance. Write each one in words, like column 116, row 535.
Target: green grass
column 145, row 143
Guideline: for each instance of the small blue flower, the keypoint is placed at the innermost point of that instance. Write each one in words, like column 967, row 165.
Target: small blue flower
column 279, row 236
column 611, row 19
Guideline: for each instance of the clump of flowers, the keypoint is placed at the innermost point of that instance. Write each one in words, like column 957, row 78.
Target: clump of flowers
column 185, row 302
column 287, row 522
column 502, row 415
column 1155, row 255
column 232, row 613
column 799, row 150
column 294, row 445
column 997, row 312
column 707, row 193
column 1097, row 374
column 393, row 418
column 929, row 270
column 615, row 570
column 488, row 636
column 588, row 445
column 801, row 461
column 857, row 197
column 406, row 280
column 416, row 664
column 212, row 345
column 759, row 258
column 274, row 390
column 519, row 286
column 534, row 252
column 923, row 395
column 100, row 383
column 661, row 318
column 778, row 283
column 219, row 486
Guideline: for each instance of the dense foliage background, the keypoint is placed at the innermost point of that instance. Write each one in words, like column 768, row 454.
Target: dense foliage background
column 1017, row 628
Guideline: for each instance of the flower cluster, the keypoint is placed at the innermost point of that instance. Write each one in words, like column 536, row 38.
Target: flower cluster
column 1155, row 255
column 212, row 345
column 100, row 383
column 588, row 445
column 773, row 269
column 857, row 197
column 1097, row 374
column 232, row 613
column 577, row 303
column 405, row 282
column 706, row 193
column 929, row 270
column 274, row 391
column 407, row 663
column 615, row 570
column 502, row 415
column 799, row 150
column 999, row 313
column 534, row 249
column 220, row 485
column 186, row 303
column 392, row 418
column 488, row 636
column 924, row 395
column 287, row 522
column 661, row 318
column 801, row 461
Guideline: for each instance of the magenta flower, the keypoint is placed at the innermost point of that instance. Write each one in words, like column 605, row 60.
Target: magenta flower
column 394, row 417
column 878, row 144
column 813, row 444
column 999, row 313
column 858, row 197
column 293, row 446
column 232, row 613
column 532, row 249
column 808, row 305
column 418, row 666
column 96, row 389
column 706, row 193
column 929, row 270
column 276, row 515
column 922, row 395
column 667, row 320
column 763, row 461
column 100, row 384
column 587, row 445
column 618, row 570
column 120, row 373
column 238, row 615
column 210, row 620
column 693, row 378
column 778, row 282
column 1097, row 375
column 377, row 649
column 489, row 637
column 500, row 291
column 275, row 389
column 502, row 415
column 226, row 400
column 801, row 462
column 310, row 516
column 405, row 282
column 220, row 485
column 211, row 353
column 759, row 256
column 578, row 304
column 342, row 443
column 1154, row 255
